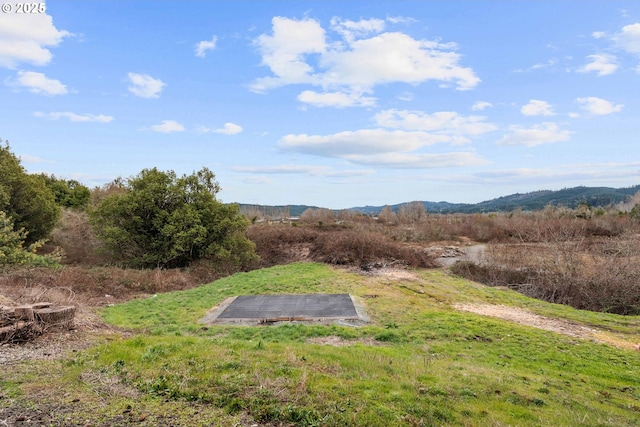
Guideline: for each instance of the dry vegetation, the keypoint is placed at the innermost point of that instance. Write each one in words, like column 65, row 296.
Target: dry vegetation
column 354, row 244
column 589, row 259
column 592, row 273
column 584, row 258
column 589, row 263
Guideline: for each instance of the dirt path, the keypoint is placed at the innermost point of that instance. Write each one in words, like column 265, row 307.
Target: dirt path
column 448, row 255
column 560, row 326
column 515, row 314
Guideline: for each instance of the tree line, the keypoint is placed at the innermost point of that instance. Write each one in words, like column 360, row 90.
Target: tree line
column 155, row 219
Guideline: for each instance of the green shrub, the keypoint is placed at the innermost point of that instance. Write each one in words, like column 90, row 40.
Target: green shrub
column 26, row 198
column 12, row 251
column 67, row 193
column 161, row 220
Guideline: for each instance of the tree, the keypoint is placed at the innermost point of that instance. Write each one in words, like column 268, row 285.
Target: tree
column 412, row 212
column 387, row 215
column 67, row 193
column 12, row 250
column 162, row 220
column 26, row 198
column 317, row 215
column 635, row 213
column 634, row 207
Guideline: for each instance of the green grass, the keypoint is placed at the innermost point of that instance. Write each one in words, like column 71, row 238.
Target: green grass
column 180, row 311
column 420, row 361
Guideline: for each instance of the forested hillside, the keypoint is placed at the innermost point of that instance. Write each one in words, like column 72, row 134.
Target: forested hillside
column 536, row 200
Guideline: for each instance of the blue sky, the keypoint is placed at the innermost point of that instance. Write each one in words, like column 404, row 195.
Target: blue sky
column 327, row 103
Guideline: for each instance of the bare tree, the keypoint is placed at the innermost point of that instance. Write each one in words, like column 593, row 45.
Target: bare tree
column 319, row 215
column 412, row 212
column 388, row 216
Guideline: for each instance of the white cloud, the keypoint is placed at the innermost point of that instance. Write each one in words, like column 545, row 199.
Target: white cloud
column 499, row 175
column 579, row 173
column 448, row 123
column 396, row 57
column 538, row 66
column 350, row 30
column 284, row 52
column 603, row 64
column 205, row 45
column 599, row 106
column 280, row 169
column 544, row 133
column 628, row 39
column 401, row 20
column 37, row 83
column 360, row 142
column 55, row 115
column 301, row 52
column 336, row 99
column 404, row 146
column 481, row 105
column 302, row 169
column 145, row 86
column 229, row 129
column 419, row 161
column 536, row 107
column 168, row 126
column 27, row 37
column 405, row 96
column 550, row 63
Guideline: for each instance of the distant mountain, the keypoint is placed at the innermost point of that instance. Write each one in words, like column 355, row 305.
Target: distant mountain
column 279, row 211
column 443, row 207
column 568, row 197
column 536, row 200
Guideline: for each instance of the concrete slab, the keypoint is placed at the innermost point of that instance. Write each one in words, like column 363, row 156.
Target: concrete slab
column 268, row 309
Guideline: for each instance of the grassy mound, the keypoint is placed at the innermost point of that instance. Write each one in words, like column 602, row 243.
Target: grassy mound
column 420, row 361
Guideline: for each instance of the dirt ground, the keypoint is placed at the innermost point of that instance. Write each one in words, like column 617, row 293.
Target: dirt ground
column 512, row 314
column 55, row 343
column 88, row 324
column 560, row 326
column 89, row 329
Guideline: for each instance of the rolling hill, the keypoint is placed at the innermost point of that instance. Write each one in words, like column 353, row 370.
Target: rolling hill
column 536, row 200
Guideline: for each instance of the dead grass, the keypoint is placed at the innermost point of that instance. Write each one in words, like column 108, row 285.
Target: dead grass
column 354, row 245
column 7, row 302
column 74, row 235
column 559, row 255
column 94, row 286
column 597, row 274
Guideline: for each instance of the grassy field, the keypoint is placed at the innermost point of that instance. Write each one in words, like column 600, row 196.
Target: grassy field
column 419, row 362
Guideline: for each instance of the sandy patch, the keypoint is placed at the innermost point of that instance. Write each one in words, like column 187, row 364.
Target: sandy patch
column 397, row 274
column 560, row 326
column 387, row 273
